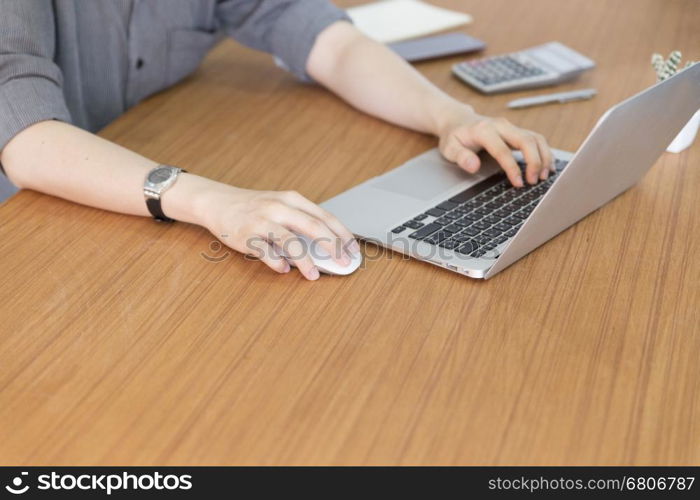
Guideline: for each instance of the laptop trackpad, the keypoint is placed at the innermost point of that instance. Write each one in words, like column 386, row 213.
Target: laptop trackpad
column 428, row 175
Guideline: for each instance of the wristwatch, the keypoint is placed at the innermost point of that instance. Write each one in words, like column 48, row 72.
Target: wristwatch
column 158, row 181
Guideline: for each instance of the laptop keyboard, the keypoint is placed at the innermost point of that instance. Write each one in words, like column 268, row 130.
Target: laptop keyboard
column 477, row 220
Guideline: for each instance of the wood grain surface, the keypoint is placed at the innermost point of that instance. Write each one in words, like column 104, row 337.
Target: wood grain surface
column 122, row 344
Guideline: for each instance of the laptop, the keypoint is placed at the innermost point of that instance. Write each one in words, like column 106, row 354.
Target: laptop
column 478, row 224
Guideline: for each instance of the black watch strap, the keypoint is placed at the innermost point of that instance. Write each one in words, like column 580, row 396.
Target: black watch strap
column 154, row 205
column 157, row 211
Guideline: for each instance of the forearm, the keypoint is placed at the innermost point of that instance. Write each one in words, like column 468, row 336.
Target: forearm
column 58, row 159
column 375, row 80
column 62, row 160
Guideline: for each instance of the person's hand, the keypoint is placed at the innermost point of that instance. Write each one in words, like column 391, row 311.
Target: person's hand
column 263, row 223
column 465, row 133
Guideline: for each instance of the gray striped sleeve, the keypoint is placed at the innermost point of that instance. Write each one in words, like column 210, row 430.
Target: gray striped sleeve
column 285, row 28
column 30, row 82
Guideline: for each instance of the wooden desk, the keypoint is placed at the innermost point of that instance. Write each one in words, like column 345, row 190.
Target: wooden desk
column 121, row 344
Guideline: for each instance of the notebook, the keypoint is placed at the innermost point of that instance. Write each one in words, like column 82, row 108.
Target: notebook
column 393, row 20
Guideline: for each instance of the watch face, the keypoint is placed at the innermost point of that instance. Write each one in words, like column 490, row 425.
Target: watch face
column 159, row 175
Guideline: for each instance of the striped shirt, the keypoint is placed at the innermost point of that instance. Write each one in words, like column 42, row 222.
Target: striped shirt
column 87, row 61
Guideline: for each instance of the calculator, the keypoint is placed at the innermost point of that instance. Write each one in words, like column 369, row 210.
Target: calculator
column 539, row 66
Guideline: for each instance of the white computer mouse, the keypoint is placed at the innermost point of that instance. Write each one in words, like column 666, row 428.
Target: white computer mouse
column 325, row 262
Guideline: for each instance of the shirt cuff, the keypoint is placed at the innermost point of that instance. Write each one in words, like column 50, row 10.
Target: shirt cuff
column 25, row 101
column 295, row 33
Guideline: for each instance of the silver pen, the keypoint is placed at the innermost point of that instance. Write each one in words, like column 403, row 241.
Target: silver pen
column 575, row 95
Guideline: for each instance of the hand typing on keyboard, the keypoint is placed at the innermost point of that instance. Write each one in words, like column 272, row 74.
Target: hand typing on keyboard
column 480, row 220
column 342, row 60
column 465, row 133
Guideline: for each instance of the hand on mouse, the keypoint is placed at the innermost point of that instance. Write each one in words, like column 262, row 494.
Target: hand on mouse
column 464, row 133
column 262, row 223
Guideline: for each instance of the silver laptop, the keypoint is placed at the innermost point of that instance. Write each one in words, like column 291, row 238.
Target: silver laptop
column 478, row 225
